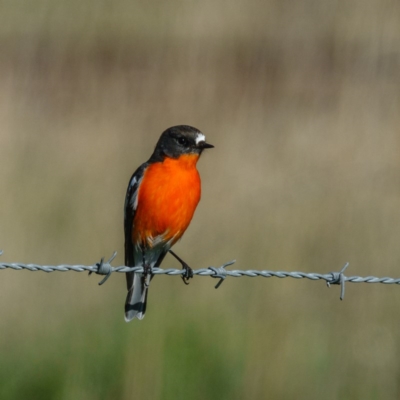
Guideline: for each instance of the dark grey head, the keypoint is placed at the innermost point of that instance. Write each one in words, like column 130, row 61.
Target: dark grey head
column 179, row 140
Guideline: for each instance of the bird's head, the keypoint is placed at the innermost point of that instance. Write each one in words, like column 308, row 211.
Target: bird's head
column 180, row 140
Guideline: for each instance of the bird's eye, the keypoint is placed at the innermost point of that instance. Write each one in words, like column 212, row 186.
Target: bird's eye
column 182, row 141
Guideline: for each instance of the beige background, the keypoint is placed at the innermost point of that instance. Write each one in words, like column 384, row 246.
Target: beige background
column 301, row 100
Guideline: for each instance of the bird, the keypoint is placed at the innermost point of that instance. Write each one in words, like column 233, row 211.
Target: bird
column 160, row 201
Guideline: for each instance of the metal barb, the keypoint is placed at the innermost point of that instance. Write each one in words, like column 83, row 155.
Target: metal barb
column 338, row 278
column 220, row 272
column 1, row 252
column 105, row 268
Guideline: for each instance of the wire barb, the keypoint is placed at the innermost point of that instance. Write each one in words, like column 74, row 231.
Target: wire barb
column 338, row 278
column 220, row 272
column 104, row 268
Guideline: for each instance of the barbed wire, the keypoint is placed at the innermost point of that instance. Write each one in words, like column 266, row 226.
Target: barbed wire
column 105, row 268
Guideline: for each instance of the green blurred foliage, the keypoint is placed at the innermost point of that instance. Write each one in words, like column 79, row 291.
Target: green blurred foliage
column 301, row 100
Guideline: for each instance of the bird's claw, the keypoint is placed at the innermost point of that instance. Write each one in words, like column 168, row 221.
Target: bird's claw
column 188, row 271
column 147, row 270
column 188, row 274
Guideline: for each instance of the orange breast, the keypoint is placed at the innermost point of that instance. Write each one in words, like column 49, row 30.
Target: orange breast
column 167, row 198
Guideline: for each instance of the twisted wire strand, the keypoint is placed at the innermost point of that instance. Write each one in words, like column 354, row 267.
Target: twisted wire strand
column 105, row 268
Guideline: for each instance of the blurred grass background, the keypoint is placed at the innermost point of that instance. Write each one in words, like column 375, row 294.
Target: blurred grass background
column 301, row 100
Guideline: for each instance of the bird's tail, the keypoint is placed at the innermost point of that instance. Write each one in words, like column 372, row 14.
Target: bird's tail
column 135, row 304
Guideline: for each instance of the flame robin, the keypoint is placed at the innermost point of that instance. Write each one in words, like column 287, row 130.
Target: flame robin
column 162, row 196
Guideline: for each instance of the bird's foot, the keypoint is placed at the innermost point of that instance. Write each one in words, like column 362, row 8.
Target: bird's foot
column 188, row 274
column 188, row 271
column 147, row 270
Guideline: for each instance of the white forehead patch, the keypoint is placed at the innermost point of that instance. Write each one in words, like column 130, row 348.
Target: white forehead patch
column 200, row 138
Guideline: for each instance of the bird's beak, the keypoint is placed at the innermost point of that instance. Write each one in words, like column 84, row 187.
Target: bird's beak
column 204, row 145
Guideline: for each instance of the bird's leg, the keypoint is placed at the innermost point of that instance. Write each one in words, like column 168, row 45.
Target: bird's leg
column 189, row 272
column 146, row 267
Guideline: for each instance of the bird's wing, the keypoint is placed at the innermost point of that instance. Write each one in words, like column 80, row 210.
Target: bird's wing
column 131, row 201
